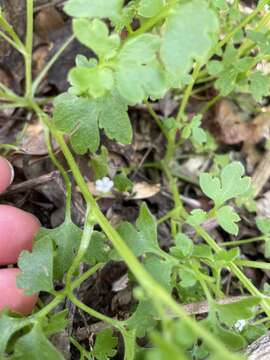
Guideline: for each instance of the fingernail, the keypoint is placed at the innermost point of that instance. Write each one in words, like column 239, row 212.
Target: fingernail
column 12, row 172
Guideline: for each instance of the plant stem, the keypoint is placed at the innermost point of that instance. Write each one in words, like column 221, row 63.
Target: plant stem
column 29, row 49
column 76, row 283
column 242, row 242
column 85, row 241
column 113, row 322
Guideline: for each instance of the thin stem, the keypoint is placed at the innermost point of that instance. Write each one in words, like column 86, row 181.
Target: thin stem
column 12, row 43
column 76, row 283
column 85, row 241
column 45, row 70
column 29, row 49
column 9, row 29
column 242, row 242
column 113, row 322
column 62, row 171
column 188, row 91
column 253, row 264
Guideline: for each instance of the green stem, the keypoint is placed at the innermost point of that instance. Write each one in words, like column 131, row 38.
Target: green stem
column 188, row 91
column 29, row 49
column 85, row 241
column 62, row 171
column 76, row 283
column 242, row 242
column 253, row 264
column 113, row 322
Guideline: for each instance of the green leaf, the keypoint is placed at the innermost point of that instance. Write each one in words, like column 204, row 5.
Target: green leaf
column 229, row 185
column 227, row 218
column 233, row 341
column 188, row 278
column 224, row 257
column 35, row 346
column 78, row 117
column 37, row 268
column 66, row 239
column 98, row 250
column 122, row 183
column 203, row 251
column 144, row 240
column 95, row 35
column 149, row 8
column 138, row 73
column 143, row 319
column 105, row 345
column 193, row 130
column 197, row 217
column 114, row 119
column 8, row 326
column 188, row 36
column 94, row 8
column 81, row 117
column 229, row 314
column 99, row 163
column 184, row 246
column 263, row 224
column 92, row 81
column 226, row 81
column 56, row 323
column 154, row 264
column 259, row 85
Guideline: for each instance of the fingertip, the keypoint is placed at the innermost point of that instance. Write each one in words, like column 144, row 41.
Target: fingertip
column 6, row 174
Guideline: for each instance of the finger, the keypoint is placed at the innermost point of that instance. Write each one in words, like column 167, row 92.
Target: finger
column 17, row 231
column 6, row 174
column 12, row 297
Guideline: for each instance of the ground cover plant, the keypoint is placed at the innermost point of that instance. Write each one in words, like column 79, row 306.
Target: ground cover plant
column 141, row 52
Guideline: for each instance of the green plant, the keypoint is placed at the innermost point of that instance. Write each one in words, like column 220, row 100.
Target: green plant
column 175, row 47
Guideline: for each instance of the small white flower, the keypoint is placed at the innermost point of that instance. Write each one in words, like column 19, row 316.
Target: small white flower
column 104, row 185
column 240, row 324
column 266, row 7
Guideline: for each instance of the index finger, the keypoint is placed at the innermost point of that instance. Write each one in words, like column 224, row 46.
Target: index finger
column 6, row 174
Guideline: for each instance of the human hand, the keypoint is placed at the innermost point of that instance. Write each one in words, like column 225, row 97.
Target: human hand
column 17, row 231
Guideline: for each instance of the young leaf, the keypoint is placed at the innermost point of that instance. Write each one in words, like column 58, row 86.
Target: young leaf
column 35, row 346
column 138, row 72
column 37, row 268
column 194, row 130
column 184, row 246
column 227, row 218
column 98, row 250
column 56, row 323
column 229, row 185
column 105, row 345
column 94, row 8
column 149, row 8
column 188, row 278
column 188, row 36
column 79, row 117
column 225, row 257
column 66, row 239
column 95, row 35
column 263, row 224
column 197, row 217
column 144, row 240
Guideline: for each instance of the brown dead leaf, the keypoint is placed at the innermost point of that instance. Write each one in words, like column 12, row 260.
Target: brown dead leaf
column 229, row 125
column 33, row 141
column 48, row 20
